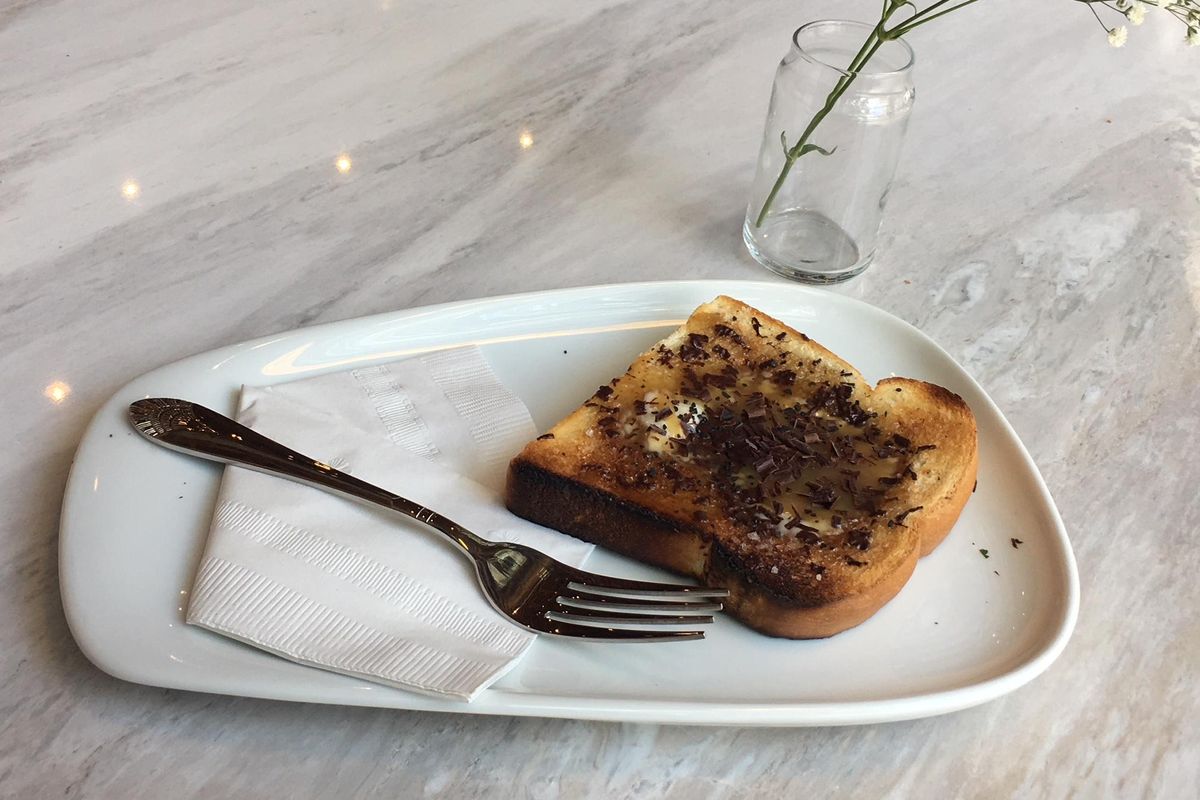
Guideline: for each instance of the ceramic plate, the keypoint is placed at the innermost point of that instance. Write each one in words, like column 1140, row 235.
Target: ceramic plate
column 966, row 628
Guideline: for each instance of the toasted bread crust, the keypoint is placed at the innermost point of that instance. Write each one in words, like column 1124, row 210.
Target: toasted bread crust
column 593, row 515
column 578, row 483
column 955, row 430
column 775, row 615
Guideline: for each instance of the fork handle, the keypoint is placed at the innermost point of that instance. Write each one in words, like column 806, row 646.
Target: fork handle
column 196, row 430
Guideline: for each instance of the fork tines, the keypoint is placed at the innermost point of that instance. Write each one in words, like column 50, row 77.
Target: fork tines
column 596, row 633
column 615, row 605
column 604, row 607
column 665, row 592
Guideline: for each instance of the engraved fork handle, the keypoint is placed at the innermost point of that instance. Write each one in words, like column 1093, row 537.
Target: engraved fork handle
column 194, row 429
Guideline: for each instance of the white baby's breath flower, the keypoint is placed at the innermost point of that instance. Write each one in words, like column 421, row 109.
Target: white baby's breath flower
column 1193, row 37
column 1136, row 14
column 1118, row 36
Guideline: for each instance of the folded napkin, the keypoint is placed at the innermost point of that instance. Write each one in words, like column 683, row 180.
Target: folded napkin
column 359, row 590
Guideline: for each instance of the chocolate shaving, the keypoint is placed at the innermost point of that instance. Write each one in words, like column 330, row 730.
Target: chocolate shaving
column 692, row 384
column 608, row 426
column 692, row 353
column 725, row 379
column 545, row 436
column 645, row 478
column 859, row 538
column 821, row 494
column 780, row 337
column 838, row 401
column 899, row 518
column 1016, row 543
column 604, row 392
column 754, row 323
column 784, row 378
column 729, row 333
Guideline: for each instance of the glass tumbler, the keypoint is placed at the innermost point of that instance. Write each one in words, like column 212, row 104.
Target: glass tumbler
column 817, row 219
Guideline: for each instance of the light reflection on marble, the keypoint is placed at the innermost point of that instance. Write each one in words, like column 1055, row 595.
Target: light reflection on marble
column 169, row 182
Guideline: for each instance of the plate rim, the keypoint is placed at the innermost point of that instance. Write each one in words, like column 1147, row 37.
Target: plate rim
column 668, row 711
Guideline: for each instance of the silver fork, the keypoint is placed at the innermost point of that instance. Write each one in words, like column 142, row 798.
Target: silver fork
column 528, row 586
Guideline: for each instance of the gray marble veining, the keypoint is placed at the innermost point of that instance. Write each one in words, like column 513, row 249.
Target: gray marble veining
column 168, row 184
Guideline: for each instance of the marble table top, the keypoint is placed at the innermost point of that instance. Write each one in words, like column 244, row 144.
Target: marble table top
column 169, row 182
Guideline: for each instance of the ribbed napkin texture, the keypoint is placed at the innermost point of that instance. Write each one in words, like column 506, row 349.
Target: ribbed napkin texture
column 358, row 590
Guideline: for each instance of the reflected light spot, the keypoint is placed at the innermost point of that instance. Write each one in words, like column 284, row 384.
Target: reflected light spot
column 131, row 190
column 57, row 392
column 525, row 140
column 96, row 484
column 343, row 163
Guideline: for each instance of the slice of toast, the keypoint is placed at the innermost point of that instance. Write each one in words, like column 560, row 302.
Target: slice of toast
column 743, row 454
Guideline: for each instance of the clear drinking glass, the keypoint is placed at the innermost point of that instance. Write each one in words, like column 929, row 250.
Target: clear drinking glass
column 823, row 221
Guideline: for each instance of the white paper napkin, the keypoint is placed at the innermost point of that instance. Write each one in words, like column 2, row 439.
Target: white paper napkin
column 358, row 590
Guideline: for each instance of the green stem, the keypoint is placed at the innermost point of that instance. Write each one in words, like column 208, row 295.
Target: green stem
column 766, row 206
column 917, row 22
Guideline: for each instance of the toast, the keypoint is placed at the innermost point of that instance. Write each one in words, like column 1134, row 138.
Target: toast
column 739, row 452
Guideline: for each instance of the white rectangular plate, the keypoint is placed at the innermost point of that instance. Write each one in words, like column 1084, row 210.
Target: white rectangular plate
column 966, row 628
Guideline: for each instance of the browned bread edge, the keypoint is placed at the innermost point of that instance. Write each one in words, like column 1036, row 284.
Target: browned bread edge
column 935, row 521
column 596, row 516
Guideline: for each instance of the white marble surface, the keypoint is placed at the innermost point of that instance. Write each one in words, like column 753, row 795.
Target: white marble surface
column 1044, row 227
